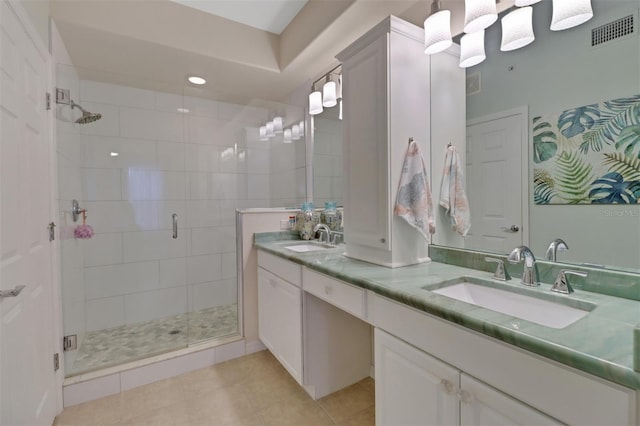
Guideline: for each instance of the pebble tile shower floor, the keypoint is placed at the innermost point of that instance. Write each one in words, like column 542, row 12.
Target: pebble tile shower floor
column 251, row 390
column 118, row 345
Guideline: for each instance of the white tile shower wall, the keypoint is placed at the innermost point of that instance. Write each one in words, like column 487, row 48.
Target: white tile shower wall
column 201, row 165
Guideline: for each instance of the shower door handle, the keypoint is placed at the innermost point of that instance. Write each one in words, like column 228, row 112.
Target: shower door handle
column 174, row 218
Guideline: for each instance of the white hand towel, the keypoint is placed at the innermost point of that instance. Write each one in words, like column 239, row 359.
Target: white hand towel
column 413, row 202
column 452, row 195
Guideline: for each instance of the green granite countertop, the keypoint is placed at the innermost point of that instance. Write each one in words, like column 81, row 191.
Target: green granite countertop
column 602, row 343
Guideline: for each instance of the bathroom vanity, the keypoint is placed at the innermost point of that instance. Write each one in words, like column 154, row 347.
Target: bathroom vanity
column 439, row 360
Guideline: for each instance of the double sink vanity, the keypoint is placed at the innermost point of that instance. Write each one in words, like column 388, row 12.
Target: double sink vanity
column 451, row 345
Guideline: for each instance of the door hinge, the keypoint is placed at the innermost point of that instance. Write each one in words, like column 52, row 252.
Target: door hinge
column 52, row 233
column 70, row 342
column 56, row 362
column 48, row 101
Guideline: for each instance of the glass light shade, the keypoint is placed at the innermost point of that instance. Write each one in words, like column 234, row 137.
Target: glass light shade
column 277, row 125
column 287, row 136
column 263, row 133
column 270, row 132
column 329, row 94
column 472, row 49
column 437, row 32
column 301, row 125
column 340, row 112
column 570, row 13
column 315, row 103
column 295, row 132
column 479, row 14
column 517, row 29
column 521, row 3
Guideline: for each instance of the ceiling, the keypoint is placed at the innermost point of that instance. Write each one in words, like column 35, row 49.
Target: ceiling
column 155, row 44
column 267, row 15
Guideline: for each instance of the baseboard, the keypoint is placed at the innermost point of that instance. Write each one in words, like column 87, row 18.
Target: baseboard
column 254, row 346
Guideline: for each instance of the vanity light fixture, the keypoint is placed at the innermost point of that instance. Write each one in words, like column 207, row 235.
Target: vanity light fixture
column 479, row 14
column 277, row 125
column 330, row 94
column 301, row 125
column 295, row 132
column 521, row 3
column 315, row 103
column 437, row 30
column 194, row 79
column 263, row 133
column 270, row 132
column 472, row 49
column 517, row 29
column 570, row 13
column 287, row 136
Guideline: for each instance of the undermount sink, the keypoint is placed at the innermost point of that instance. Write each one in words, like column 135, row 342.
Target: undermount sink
column 549, row 310
column 306, row 246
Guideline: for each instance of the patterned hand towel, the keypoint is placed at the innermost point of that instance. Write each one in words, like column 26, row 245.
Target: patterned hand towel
column 413, row 202
column 452, row 195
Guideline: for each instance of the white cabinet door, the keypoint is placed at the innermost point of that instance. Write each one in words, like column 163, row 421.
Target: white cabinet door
column 413, row 388
column 280, row 320
column 365, row 149
column 484, row 405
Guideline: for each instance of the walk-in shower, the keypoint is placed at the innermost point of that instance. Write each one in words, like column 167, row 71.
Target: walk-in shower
column 156, row 165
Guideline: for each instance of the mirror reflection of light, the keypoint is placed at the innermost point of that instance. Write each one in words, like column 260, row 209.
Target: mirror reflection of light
column 183, row 110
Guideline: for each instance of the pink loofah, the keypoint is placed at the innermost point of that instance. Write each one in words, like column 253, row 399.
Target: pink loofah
column 83, row 231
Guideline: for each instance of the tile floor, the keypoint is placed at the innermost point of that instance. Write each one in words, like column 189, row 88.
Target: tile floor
column 251, row 390
column 114, row 346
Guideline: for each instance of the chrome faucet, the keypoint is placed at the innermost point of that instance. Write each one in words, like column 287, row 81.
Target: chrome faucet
column 323, row 229
column 556, row 245
column 530, row 268
column 501, row 272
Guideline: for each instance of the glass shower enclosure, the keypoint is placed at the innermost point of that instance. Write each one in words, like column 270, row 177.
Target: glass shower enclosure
column 159, row 177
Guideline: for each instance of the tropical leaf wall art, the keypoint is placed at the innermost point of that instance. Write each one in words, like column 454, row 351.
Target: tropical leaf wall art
column 589, row 154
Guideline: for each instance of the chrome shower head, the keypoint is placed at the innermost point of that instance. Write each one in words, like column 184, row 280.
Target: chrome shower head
column 87, row 117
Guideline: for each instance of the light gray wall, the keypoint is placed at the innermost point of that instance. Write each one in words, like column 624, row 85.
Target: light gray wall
column 561, row 70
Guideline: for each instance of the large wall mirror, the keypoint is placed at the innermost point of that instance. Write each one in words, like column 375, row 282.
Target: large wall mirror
column 560, row 71
column 327, row 157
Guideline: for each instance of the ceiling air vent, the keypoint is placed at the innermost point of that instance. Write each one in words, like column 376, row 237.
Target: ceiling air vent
column 613, row 30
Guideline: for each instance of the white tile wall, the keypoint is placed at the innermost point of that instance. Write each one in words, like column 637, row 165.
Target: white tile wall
column 103, row 249
column 150, row 245
column 173, row 272
column 104, row 313
column 171, row 156
column 117, row 280
column 101, row 184
column 202, row 269
column 211, row 294
column 155, row 304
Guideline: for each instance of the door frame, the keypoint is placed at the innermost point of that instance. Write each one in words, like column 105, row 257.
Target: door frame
column 523, row 113
column 56, row 326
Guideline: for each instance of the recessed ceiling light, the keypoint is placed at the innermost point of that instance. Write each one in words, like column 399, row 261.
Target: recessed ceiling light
column 194, row 79
column 114, row 154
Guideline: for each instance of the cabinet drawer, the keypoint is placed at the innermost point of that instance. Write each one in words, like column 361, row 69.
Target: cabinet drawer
column 340, row 294
column 289, row 271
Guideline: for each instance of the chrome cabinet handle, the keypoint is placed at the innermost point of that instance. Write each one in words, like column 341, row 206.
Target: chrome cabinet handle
column 512, row 228
column 174, row 217
column 12, row 293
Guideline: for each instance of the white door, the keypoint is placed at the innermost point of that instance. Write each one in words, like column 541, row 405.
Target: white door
column 413, row 388
column 496, row 182
column 29, row 392
column 483, row 405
